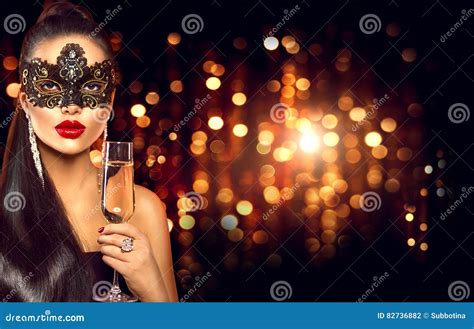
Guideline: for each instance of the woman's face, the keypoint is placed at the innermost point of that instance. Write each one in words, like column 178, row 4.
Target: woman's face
column 69, row 125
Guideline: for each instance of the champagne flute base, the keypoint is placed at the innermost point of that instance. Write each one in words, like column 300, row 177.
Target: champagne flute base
column 116, row 298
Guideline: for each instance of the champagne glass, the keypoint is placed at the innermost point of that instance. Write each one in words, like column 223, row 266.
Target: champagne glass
column 117, row 199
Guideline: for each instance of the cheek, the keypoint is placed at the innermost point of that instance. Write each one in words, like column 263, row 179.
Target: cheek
column 94, row 129
column 43, row 122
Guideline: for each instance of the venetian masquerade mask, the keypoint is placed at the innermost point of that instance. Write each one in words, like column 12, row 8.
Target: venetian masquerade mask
column 70, row 81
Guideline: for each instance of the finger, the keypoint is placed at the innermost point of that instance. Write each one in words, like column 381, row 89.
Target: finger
column 112, row 239
column 123, row 228
column 116, row 264
column 115, row 252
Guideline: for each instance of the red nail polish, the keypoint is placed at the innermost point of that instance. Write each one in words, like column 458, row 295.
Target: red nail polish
column 101, row 229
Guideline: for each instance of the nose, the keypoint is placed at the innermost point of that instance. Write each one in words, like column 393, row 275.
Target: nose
column 71, row 109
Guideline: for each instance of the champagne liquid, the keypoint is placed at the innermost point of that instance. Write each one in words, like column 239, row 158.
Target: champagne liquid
column 118, row 197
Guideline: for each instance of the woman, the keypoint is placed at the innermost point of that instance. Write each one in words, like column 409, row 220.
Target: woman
column 68, row 80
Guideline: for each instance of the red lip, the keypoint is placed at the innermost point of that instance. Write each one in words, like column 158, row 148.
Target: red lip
column 70, row 129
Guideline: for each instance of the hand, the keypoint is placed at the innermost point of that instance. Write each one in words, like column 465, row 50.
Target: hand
column 138, row 267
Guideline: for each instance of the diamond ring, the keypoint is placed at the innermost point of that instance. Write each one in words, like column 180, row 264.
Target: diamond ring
column 127, row 245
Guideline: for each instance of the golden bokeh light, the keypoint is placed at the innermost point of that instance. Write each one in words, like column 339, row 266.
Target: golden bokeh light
column 388, row 125
column 331, row 139
column 152, row 98
column 187, row 222
column 244, row 207
column 309, row 143
column 213, row 83
column 357, row 114
column 174, row 38
column 138, row 110
column 176, row 86
column 239, row 99
column 229, row 222
column 240, row 130
column 329, row 121
column 373, row 139
column 270, row 43
column 215, row 123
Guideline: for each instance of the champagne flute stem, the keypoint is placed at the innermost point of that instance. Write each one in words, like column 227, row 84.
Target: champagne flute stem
column 115, row 287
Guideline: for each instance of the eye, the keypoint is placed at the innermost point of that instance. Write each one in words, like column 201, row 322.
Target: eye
column 93, row 87
column 48, row 86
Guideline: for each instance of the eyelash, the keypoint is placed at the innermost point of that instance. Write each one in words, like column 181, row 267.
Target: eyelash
column 92, row 87
column 95, row 86
column 49, row 86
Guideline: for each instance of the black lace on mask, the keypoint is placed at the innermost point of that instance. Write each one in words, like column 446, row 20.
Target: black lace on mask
column 70, row 81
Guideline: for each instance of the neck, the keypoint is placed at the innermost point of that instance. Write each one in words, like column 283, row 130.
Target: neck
column 70, row 173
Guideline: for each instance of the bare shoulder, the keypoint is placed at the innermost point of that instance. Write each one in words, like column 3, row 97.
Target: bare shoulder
column 150, row 211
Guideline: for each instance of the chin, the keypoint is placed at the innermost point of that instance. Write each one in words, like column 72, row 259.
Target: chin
column 69, row 146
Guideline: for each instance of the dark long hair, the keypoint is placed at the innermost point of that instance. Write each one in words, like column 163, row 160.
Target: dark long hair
column 40, row 256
